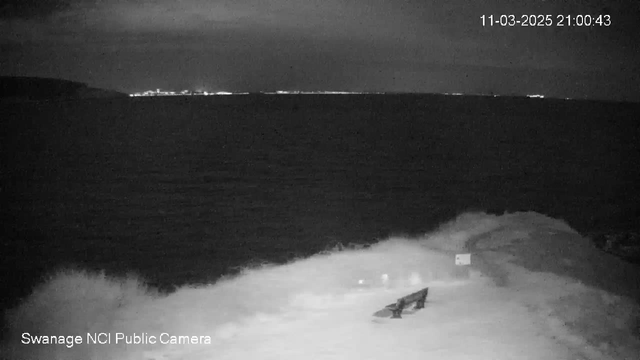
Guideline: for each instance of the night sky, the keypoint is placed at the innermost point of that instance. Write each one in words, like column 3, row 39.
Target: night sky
column 348, row 45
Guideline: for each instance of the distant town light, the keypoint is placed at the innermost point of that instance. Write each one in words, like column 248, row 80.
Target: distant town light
column 159, row 92
column 298, row 92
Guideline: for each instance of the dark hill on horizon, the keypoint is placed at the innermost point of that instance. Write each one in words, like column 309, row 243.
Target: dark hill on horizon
column 15, row 88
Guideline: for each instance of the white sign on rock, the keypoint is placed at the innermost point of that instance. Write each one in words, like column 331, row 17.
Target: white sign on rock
column 463, row 259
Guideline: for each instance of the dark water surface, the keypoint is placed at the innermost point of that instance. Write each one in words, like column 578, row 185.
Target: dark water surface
column 182, row 189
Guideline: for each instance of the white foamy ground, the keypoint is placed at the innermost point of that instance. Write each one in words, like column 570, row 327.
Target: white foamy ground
column 321, row 307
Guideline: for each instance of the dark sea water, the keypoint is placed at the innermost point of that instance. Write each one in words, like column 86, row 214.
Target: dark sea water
column 181, row 190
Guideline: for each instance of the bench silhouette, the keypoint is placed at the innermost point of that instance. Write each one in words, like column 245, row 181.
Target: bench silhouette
column 418, row 297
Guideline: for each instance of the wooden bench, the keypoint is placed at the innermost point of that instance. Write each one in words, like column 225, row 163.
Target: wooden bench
column 418, row 297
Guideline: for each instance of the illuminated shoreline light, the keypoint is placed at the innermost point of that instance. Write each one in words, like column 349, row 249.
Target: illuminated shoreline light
column 300, row 92
column 159, row 92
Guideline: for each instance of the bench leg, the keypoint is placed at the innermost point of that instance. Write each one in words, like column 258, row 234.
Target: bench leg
column 397, row 310
column 423, row 298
